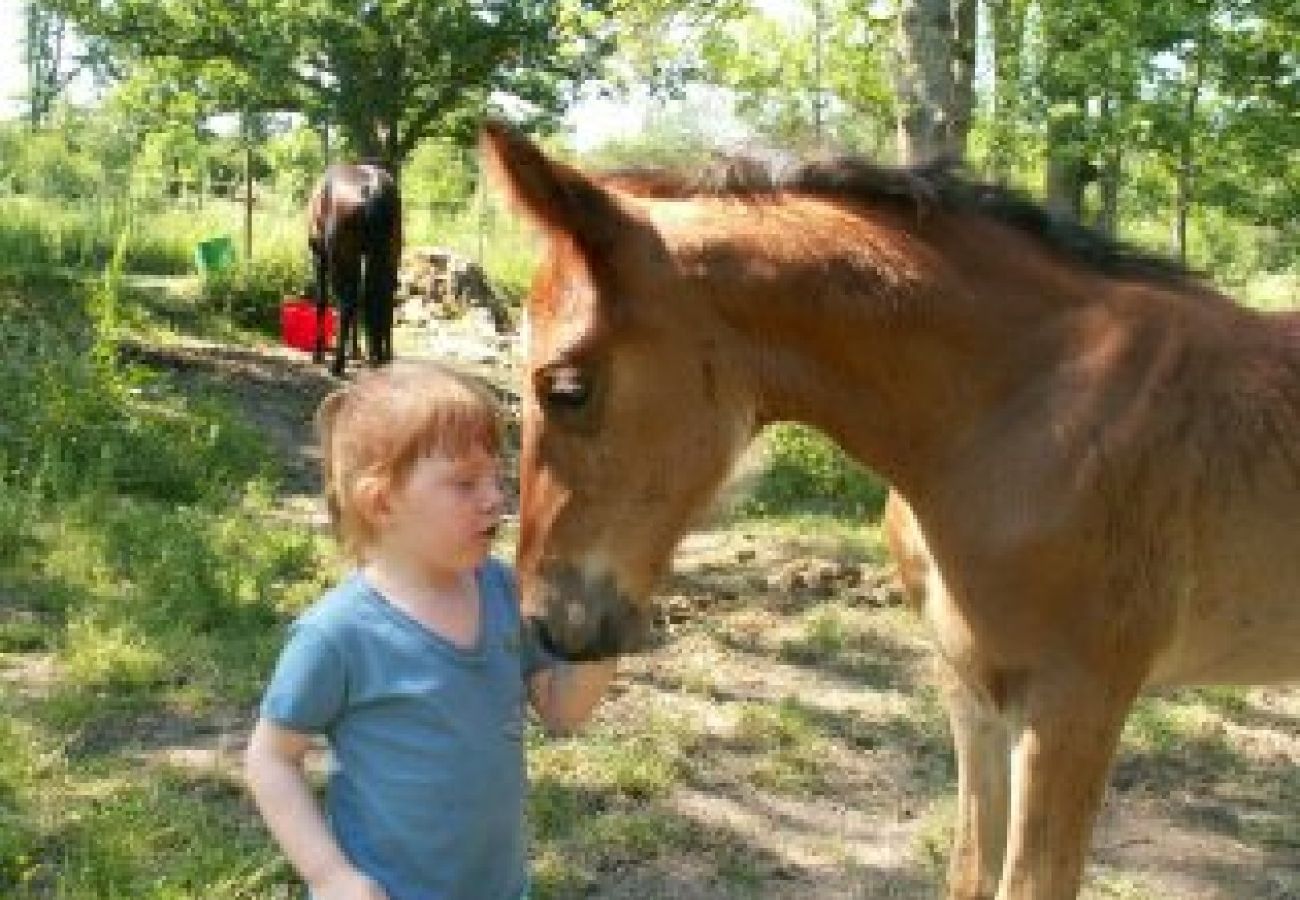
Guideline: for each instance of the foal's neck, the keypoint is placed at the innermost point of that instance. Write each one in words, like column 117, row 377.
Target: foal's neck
column 894, row 347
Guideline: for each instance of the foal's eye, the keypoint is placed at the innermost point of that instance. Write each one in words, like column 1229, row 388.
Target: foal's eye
column 564, row 387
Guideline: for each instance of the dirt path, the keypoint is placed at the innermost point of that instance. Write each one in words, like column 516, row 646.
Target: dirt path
column 816, row 761
column 276, row 389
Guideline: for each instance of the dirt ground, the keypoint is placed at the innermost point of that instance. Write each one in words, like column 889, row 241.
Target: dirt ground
column 1204, row 800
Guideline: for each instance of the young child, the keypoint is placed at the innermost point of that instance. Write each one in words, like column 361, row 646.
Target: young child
column 416, row 666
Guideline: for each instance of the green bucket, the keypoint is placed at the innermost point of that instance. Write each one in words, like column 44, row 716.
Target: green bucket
column 214, row 255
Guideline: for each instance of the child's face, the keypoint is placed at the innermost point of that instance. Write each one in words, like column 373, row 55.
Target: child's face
column 445, row 514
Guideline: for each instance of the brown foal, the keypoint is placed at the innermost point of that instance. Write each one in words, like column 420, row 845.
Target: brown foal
column 1100, row 456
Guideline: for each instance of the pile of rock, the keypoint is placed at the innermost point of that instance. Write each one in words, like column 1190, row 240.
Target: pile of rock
column 456, row 315
column 435, row 283
column 861, row 584
column 424, row 280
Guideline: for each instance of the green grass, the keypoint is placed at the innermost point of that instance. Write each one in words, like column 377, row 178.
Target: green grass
column 136, row 550
column 848, row 537
column 1113, row 886
column 933, row 841
column 596, row 800
column 143, row 568
column 46, row 232
column 160, row 834
column 644, row 765
column 787, row 745
column 1167, row 725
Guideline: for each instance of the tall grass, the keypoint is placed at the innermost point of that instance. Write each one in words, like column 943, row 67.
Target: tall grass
column 39, row 234
column 138, row 554
column 45, row 232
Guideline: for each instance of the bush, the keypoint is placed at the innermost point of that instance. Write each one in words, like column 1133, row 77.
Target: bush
column 20, row 769
column 78, row 420
column 805, row 472
column 252, row 299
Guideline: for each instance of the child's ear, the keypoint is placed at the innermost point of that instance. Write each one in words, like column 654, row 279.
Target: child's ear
column 373, row 500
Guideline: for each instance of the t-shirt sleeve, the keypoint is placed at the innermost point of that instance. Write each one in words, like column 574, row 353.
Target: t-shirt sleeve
column 309, row 686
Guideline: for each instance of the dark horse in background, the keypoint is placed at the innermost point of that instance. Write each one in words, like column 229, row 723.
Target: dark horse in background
column 354, row 227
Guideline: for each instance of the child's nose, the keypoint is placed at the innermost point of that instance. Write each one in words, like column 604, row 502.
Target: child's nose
column 495, row 494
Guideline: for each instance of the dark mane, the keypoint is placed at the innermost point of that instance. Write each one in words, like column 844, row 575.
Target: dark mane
column 932, row 186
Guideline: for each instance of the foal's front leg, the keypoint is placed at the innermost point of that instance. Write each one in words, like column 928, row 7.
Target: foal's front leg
column 980, row 738
column 1060, row 764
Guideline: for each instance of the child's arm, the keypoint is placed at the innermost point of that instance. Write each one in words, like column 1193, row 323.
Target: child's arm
column 273, row 764
column 564, row 694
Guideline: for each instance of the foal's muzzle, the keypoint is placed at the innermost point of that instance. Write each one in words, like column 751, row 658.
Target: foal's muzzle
column 579, row 619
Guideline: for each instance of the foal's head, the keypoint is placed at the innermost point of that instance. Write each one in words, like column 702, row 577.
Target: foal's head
column 670, row 319
column 632, row 411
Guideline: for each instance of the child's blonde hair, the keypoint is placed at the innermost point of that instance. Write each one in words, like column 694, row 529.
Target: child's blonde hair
column 380, row 424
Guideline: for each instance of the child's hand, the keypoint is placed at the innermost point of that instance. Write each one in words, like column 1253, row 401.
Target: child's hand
column 348, row 884
column 565, row 694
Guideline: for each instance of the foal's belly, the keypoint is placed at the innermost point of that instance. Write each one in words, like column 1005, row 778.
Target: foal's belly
column 1242, row 625
column 1234, row 574
column 1250, row 654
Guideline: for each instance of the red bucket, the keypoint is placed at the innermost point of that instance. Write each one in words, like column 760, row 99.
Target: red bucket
column 298, row 324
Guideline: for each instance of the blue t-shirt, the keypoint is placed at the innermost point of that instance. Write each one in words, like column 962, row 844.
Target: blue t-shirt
column 427, row 787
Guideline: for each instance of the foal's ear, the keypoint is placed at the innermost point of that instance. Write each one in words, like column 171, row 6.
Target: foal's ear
column 556, row 196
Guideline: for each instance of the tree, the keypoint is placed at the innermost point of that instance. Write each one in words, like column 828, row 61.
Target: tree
column 1007, row 19
column 936, row 66
column 43, row 55
column 810, row 75
column 387, row 72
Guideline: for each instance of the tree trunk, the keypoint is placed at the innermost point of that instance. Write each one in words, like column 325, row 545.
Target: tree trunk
column 819, row 27
column 925, row 78
column 373, row 136
column 1108, row 179
column 248, row 197
column 1068, row 170
column 962, row 103
column 248, row 210
column 1111, row 174
column 43, row 55
column 1187, row 151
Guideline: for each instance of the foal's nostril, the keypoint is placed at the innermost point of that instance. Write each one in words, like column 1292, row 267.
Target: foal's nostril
column 542, row 635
